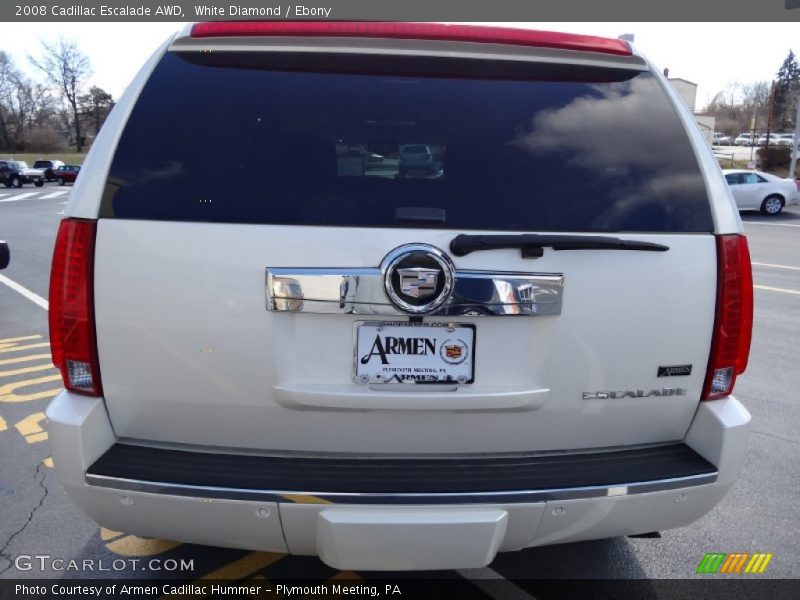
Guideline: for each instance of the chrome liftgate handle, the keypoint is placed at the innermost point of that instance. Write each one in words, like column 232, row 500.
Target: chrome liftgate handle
column 360, row 291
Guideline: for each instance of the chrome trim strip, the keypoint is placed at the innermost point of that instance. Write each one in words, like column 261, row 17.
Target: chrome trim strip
column 360, row 291
column 515, row 496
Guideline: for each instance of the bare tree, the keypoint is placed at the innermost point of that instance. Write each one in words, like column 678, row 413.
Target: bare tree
column 23, row 106
column 734, row 106
column 755, row 98
column 67, row 68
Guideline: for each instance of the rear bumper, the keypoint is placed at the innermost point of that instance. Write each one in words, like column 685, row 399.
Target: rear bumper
column 459, row 521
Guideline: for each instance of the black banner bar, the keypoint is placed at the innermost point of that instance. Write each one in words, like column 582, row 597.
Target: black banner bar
column 404, row 588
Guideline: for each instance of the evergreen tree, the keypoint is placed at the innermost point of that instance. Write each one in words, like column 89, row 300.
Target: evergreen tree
column 787, row 91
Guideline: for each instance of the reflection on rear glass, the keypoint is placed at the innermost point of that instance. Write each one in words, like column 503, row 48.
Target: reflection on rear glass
column 417, row 161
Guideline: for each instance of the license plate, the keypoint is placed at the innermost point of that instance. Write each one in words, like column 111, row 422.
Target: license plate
column 400, row 352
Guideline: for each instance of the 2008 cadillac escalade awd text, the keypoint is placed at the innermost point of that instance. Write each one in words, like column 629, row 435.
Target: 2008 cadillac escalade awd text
column 270, row 342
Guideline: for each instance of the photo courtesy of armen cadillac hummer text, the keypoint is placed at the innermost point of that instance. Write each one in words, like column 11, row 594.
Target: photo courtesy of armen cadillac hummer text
column 418, row 312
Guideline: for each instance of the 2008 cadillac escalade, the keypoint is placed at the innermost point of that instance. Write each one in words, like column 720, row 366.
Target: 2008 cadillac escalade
column 270, row 342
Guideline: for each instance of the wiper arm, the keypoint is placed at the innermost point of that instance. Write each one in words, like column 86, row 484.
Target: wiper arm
column 532, row 245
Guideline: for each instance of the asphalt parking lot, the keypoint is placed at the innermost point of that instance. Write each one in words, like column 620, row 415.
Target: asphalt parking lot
column 759, row 515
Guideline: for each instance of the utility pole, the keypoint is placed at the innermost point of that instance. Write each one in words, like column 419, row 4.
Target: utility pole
column 769, row 114
column 795, row 141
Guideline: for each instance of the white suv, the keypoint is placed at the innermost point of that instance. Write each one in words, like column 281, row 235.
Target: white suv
column 536, row 346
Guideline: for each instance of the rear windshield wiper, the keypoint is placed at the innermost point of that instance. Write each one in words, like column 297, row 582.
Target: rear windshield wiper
column 532, row 245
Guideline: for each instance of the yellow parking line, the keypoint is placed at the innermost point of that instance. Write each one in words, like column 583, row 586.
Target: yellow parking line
column 31, row 429
column 305, row 499
column 26, row 370
column 12, row 348
column 7, row 391
column 774, row 289
column 131, row 545
column 29, row 358
column 3, row 424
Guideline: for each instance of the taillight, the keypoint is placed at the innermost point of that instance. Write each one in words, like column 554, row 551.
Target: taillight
column 415, row 31
column 733, row 323
column 73, row 341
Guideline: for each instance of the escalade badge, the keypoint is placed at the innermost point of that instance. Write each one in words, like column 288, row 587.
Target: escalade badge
column 611, row 394
column 417, row 278
column 418, row 282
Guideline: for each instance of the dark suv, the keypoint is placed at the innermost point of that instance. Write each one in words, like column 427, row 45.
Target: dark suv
column 49, row 167
column 14, row 173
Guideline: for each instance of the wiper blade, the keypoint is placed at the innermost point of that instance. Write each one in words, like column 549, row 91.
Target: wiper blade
column 532, row 245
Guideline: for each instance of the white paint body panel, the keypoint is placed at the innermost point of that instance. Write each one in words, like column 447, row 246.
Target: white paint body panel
column 189, row 354
column 186, row 344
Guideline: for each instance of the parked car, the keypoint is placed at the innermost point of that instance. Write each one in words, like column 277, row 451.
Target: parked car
column 5, row 255
column 785, row 139
column 48, row 167
column 16, row 173
column 746, row 139
column 415, row 158
column 720, row 139
column 67, row 174
column 399, row 373
column 755, row 190
column 773, row 139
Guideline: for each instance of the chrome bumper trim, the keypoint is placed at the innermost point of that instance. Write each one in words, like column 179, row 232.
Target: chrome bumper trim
column 504, row 497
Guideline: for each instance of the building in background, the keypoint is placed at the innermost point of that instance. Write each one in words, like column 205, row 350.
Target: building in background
column 687, row 90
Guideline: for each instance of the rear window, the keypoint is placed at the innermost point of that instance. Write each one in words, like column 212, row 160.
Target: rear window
column 584, row 150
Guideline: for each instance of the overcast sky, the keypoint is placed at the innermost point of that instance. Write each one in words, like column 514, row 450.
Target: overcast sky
column 713, row 55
